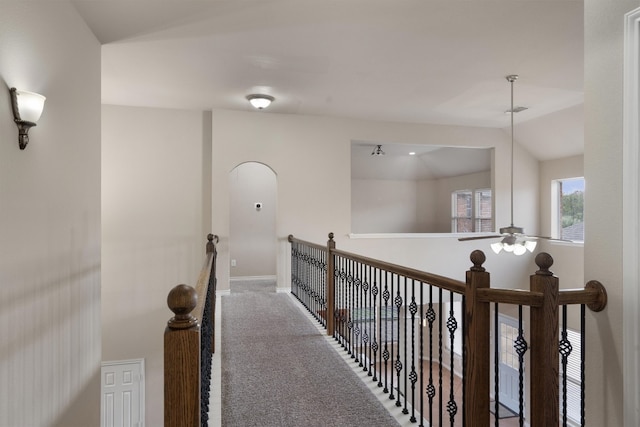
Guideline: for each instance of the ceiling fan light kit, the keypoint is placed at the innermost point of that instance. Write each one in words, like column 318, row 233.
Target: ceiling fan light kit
column 513, row 238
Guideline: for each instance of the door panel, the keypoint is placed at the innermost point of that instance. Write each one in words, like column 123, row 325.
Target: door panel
column 122, row 394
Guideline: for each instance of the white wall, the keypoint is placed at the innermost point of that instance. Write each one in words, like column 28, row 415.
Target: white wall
column 384, row 206
column 312, row 158
column 252, row 232
column 153, row 233
column 50, row 221
column 604, row 23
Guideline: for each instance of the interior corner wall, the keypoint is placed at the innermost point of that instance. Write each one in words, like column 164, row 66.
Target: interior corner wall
column 603, row 168
column 153, row 230
column 50, row 220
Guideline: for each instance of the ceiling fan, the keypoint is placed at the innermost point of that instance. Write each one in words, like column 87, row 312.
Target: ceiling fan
column 513, row 238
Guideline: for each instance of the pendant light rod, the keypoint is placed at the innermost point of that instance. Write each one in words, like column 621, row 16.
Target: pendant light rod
column 512, row 78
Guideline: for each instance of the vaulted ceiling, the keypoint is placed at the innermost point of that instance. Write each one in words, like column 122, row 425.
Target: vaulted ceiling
column 419, row 61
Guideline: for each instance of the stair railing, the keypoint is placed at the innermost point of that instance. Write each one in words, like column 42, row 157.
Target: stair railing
column 402, row 326
column 189, row 345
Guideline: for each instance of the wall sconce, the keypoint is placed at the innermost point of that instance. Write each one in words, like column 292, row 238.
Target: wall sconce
column 27, row 108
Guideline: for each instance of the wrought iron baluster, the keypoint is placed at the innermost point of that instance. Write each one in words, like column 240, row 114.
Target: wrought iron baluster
column 565, row 348
column 431, row 389
column 413, row 376
column 440, row 392
column 421, row 353
column 398, row 301
column 452, row 325
column 385, row 352
column 496, row 363
column 366, row 327
column 349, row 308
column 376, row 316
column 393, row 345
column 521, row 348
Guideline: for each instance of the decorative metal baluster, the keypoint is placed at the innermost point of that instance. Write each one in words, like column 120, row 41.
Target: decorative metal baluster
column 375, row 336
column 521, row 347
column 360, row 327
column 392, row 390
column 413, row 376
column 421, row 353
column 431, row 389
column 452, row 325
column 349, row 308
column 464, row 359
column 565, row 348
column 440, row 392
column 323, row 287
column 385, row 353
column 366, row 314
column 398, row 301
column 496, row 363
column 582, row 359
column 355, row 314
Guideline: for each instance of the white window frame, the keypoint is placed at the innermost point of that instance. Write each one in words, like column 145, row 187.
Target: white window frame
column 475, row 217
column 556, row 207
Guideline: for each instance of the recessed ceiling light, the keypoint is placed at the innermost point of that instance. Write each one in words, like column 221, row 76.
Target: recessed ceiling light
column 413, row 153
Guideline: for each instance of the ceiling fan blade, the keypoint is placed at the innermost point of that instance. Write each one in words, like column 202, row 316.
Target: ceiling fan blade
column 552, row 239
column 463, row 239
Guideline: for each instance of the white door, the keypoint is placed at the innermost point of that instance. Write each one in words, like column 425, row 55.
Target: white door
column 122, row 394
column 509, row 363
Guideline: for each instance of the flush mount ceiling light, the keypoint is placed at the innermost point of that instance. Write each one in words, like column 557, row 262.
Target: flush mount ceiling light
column 260, row 101
column 378, row 151
column 27, row 108
column 513, row 238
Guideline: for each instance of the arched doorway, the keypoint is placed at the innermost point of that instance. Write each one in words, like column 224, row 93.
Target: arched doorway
column 252, row 222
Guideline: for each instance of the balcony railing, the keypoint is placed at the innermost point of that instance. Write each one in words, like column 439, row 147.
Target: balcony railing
column 426, row 340
column 188, row 347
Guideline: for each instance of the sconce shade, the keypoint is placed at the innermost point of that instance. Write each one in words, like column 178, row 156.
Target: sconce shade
column 27, row 109
column 260, row 101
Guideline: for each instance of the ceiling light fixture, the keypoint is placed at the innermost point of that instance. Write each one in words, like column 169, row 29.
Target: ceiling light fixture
column 378, row 151
column 27, row 108
column 513, row 238
column 260, row 101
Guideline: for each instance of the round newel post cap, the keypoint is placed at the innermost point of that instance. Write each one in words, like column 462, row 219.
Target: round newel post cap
column 478, row 258
column 544, row 261
column 331, row 236
column 182, row 300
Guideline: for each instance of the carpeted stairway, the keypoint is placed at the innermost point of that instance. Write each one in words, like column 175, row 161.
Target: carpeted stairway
column 279, row 370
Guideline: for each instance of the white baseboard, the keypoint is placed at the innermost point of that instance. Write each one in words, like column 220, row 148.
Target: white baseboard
column 251, row 278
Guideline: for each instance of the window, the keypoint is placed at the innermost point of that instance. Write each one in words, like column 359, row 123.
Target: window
column 568, row 208
column 471, row 211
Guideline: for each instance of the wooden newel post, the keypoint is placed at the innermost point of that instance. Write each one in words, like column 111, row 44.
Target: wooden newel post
column 331, row 245
column 182, row 360
column 544, row 346
column 476, row 344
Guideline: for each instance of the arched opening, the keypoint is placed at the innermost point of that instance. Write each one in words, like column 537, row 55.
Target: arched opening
column 252, row 222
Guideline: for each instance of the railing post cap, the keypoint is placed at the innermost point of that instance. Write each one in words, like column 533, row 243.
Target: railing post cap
column 477, row 258
column 544, row 261
column 182, row 299
column 290, row 238
column 210, row 237
column 331, row 236
column 601, row 303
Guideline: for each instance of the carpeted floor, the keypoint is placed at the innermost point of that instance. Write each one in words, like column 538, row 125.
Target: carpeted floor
column 278, row 370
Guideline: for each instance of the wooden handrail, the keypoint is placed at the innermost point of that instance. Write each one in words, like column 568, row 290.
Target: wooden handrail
column 544, row 299
column 183, row 340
